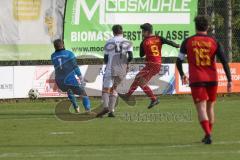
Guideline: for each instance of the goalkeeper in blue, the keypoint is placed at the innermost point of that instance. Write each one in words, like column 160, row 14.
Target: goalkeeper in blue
column 66, row 70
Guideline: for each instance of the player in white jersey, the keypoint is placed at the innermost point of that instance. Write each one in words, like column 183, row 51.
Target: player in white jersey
column 118, row 53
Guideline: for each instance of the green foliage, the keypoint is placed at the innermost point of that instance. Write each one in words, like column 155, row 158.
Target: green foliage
column 219, row 9
column 236, row 22
column 218, row 21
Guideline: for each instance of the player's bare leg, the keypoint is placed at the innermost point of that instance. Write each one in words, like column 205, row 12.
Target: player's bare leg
column 211, row 115
column 204, row 120
column 202, row 111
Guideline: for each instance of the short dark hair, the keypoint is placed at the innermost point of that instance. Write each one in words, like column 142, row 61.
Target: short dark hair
column 201, row 23
column 117, row 29
column 58, row 44
column 147, row 27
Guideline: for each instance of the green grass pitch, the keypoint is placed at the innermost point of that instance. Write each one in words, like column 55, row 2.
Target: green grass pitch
column 30, row 130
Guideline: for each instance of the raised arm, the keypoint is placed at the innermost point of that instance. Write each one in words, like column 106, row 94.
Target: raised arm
column 170, row 43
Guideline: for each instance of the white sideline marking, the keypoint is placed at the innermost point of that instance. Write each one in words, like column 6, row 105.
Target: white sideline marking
column 61, row 133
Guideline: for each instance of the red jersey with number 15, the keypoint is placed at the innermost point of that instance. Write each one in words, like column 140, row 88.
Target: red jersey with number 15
column 151, row 48
column 201, row 52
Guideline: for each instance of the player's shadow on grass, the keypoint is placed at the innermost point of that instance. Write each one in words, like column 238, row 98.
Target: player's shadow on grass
column 62, row 112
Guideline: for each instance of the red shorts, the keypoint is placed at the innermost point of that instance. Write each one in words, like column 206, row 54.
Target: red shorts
column 147, row 73
column 204, row 93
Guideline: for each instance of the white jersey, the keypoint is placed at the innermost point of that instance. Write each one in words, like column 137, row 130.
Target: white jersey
column 116, row 48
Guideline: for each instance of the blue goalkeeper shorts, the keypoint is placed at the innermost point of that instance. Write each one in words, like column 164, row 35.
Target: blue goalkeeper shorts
column 75, row 87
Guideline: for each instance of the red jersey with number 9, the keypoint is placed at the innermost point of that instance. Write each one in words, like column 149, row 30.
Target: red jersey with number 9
column 151, row 47
column 201, row 52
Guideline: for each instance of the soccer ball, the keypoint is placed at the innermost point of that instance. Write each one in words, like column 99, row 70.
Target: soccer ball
column 33, row 94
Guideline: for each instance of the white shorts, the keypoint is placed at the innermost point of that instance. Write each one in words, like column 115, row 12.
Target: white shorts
column 107, row 81
column 110, row 81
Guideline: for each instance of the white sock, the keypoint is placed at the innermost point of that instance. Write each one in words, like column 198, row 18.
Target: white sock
column 112, row 102
column 105, row 98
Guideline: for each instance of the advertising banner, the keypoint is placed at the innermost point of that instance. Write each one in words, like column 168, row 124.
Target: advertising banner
column 235, row 72
column 44, row 80
column 28, row 27
column 88, row 22
column 222, row 84
column 20, row 79
column 6, row 82
column 23, row 80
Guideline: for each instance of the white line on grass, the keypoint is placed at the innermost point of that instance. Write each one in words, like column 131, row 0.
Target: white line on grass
column 61, row 133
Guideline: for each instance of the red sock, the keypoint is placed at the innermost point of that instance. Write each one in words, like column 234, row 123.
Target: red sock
column 205, row 125
column 211, row 126
column 133, row 88
column 149, row 92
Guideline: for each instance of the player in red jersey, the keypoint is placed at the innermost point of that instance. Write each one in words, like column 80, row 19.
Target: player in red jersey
column 201, row 51
column 150, row 48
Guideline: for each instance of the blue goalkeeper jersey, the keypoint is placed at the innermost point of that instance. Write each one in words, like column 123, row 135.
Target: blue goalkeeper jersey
column 66, row 67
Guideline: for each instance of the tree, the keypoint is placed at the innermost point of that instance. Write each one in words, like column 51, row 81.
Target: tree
column 225, row 16
column 228, row 28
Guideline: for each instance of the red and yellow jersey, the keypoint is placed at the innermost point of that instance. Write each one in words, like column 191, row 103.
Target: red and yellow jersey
column 201, row 53
column 151, row 48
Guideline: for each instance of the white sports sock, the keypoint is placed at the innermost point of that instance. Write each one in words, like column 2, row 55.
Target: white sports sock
column 105, row 98
column 112, row 102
